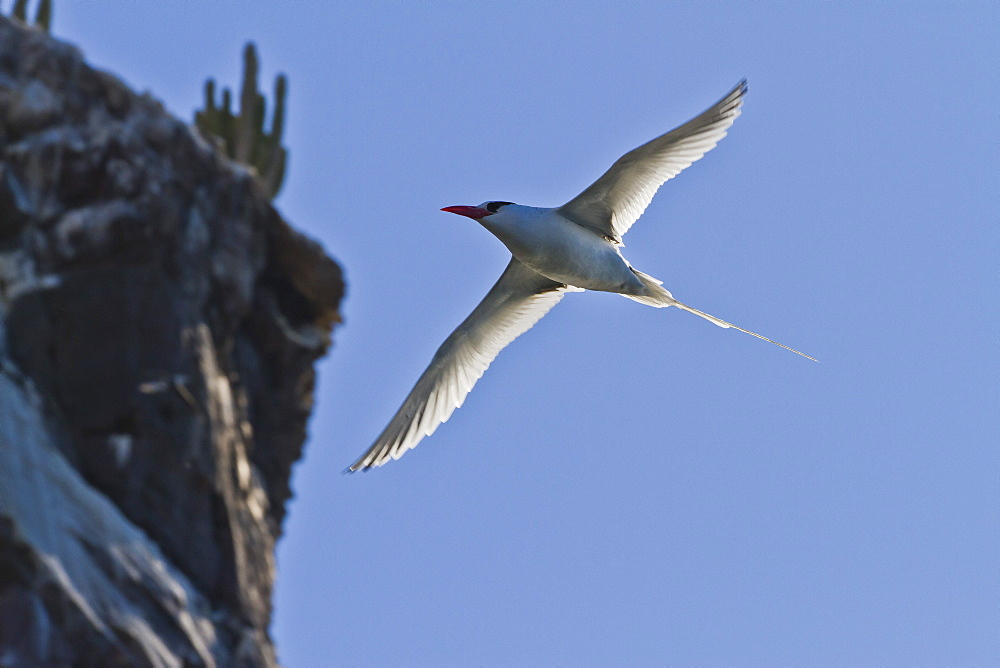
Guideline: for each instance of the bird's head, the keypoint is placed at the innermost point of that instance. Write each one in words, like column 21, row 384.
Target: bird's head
column 477, row 212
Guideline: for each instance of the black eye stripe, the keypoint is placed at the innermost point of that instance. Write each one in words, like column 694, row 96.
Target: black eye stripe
column 493, row 207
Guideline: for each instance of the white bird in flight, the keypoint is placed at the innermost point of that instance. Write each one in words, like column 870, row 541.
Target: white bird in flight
column 571, row 248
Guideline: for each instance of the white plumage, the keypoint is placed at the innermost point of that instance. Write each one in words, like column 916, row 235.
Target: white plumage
column 574, row 247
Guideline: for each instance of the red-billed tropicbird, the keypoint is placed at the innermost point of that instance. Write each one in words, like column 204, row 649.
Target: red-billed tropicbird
column 570, row 248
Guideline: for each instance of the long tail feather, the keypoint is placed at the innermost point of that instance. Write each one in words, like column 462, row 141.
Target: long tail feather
column 660, row 297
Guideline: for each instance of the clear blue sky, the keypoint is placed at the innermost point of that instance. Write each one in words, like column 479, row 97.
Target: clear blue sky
column 630, row 485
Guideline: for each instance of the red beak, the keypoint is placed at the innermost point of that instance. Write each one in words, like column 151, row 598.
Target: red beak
column 473, row 212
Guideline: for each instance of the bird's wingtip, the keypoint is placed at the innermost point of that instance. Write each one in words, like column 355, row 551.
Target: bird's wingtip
column 355, row 467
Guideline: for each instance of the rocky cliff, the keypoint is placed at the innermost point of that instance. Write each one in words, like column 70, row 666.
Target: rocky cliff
column 158, row 326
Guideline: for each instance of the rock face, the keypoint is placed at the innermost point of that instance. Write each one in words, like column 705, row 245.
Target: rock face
column 158, row 326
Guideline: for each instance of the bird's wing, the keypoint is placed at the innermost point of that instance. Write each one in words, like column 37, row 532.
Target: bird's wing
column 616, row 200
column 516, row 302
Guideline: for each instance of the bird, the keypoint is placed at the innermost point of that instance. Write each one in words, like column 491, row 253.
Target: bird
column 570, row 248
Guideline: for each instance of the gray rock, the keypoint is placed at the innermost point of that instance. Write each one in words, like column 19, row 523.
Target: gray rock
column 159, row 322
column 32, row 107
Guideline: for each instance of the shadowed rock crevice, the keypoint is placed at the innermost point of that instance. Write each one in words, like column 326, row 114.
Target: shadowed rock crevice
column 159, row 322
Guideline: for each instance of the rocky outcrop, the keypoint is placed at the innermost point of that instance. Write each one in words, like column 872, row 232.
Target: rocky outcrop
column 158, row 326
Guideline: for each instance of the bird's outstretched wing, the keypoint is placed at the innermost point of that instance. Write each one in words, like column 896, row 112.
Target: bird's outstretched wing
column 516, row 302
column 616, row 200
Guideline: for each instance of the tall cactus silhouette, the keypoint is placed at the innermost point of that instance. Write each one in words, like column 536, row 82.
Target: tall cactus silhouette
column 243, row 137
column 43, row 15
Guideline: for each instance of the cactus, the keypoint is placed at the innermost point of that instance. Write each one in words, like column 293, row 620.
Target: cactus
column 43, row 15
column 243, row 137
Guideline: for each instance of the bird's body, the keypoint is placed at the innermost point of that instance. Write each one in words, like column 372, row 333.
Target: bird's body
column 570, row 248
column 562, row 250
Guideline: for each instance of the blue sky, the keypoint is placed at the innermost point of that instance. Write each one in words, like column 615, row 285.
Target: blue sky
column 630, row 485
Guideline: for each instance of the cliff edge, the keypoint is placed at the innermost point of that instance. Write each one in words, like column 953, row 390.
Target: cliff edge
column 159, row 322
